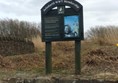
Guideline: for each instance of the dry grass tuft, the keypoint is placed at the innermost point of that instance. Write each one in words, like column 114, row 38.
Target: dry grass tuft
column 63, row 53
column 103, row 35
column 39, row 45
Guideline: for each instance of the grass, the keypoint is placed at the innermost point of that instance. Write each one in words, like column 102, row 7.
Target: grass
column 95, row 60
column 39, row 45
column 103, row 35
column 98, row 60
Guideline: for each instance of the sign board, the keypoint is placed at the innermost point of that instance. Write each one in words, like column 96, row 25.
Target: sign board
column 62, row 20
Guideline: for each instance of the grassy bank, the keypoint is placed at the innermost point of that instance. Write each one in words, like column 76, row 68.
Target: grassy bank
column 99, row 57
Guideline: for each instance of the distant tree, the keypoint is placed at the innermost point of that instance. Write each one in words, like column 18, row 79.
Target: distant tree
column 18, row 29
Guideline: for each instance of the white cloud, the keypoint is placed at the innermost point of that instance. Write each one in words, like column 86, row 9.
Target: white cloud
column 100, row 12
column 96, row 12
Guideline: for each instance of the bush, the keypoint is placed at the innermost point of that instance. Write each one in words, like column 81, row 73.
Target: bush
column 18, row 29
column 16, row 36
column 103, row 34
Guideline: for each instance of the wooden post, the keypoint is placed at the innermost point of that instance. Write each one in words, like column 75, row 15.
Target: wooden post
column 48, row 58
column 77, row 57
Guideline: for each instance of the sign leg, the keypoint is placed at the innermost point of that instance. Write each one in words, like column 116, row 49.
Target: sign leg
column 48, row 58
column 77, row 57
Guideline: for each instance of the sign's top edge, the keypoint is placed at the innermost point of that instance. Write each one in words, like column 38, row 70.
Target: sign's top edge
column 54, row 3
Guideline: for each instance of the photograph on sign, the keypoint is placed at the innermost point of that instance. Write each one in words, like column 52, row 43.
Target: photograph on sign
column 71, row 26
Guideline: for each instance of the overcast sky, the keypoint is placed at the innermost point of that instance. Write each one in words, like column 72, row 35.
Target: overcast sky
column 96, row 12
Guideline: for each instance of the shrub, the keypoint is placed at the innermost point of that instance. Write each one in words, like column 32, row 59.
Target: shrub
column 103, row 34
column 19, row 29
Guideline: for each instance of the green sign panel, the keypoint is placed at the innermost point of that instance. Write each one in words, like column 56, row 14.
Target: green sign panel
column 62, row 20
